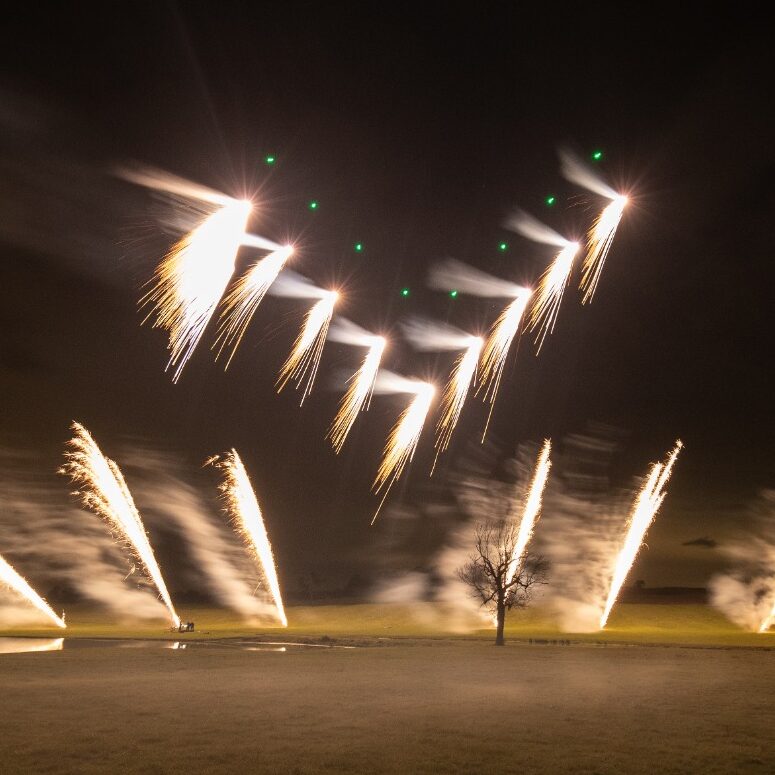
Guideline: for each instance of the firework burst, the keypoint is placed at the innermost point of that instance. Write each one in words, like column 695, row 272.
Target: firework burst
column 302, row 364
column 247, row 519
column 647, row 503
column 241, row 302
column 404, row 436
column 18, row 584
column 358, row 395
column 103, row 490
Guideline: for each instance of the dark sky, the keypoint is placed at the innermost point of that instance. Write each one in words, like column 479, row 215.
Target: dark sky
column 417, row 131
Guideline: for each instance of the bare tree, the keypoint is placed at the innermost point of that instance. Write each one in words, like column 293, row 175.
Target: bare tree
column 499, row 580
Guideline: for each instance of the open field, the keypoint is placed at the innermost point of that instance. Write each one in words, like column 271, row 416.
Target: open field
column 633, row 623
column 421, row 707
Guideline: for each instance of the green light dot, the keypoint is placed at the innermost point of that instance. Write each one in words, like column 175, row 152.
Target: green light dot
column 550, row 200
column 404, row 291
column 270, row 159
column 503, row 246
column 358, row 247
column 453, row 294
column 313, row 205
column 597, row 155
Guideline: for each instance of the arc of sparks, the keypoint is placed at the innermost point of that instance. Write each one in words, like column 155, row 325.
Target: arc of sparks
column 18, row 584
column 646, row 506
column 599, row 240
column 402, row 440
column 103, row 490
column 455, row 393
column 248, row 521
column 241, row 302
column 304, row 359
column 358, row 395
column 190, row 280
column 548, row 296
column 531, row 511
column 496, row 349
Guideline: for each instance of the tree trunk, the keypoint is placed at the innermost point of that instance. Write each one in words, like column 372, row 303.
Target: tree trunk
column 499, row 641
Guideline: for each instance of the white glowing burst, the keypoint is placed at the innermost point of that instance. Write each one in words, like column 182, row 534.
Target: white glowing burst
column 304, row 358
column 192, row 277
column 499, row 341
column 18, row 584
column 548, row 296
column 248, row 521
column 456, row 391
column 647, row 503
column 358, row 394
column 241, row 302
column 402, row 440
column 104, row 491
column 532, row 508
column 599, row 240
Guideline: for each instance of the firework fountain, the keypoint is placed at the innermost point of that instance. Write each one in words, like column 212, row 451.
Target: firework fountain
column 11, row 578
column 103, row 490
column 647, row 503
column 247, row 519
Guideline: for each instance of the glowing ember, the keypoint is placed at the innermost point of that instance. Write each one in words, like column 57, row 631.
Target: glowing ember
column 245, row 513
column 19, row 585
column 104, row 491
column 647, row 503
column 308, row 347
column 358, row 394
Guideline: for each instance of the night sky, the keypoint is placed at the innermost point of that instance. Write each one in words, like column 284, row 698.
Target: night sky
column 417, row 132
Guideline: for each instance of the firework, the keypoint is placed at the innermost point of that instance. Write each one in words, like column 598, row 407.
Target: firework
column 304, row 359
column 243, row 299
column 647, row 503
column 601, row 234
column 402, row 440
column 532, row 508
column 769, row 619
column 496, row 349
column 455, row 392
column 245, row 513
column 103, row 490
column 358, row 395
column 10, row 578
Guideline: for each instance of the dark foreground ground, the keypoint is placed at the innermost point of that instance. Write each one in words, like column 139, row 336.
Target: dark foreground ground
column 417, row 706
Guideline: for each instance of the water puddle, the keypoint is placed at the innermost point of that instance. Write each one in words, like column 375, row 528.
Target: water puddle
column 24, row 645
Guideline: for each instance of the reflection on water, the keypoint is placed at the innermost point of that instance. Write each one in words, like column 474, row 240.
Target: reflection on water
column 22, row 645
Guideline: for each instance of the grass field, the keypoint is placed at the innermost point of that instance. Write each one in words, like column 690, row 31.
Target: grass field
column 630, row 623
column 430, row 706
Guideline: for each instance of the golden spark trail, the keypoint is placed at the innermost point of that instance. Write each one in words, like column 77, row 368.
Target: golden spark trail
column 532, row 509
column 358, row 394
column 242, row 301
column 548, row 297
column 599, row 240
column 192, row 277
column 455, row 392
column 502, row 334
column 10, row 578
column 104, row 491
column 646, row 505
column 402, row 440
column 308, row 347
column 769, row 619
column 245, row 513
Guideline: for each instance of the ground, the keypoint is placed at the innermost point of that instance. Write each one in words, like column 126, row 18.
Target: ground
column 400, row 701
